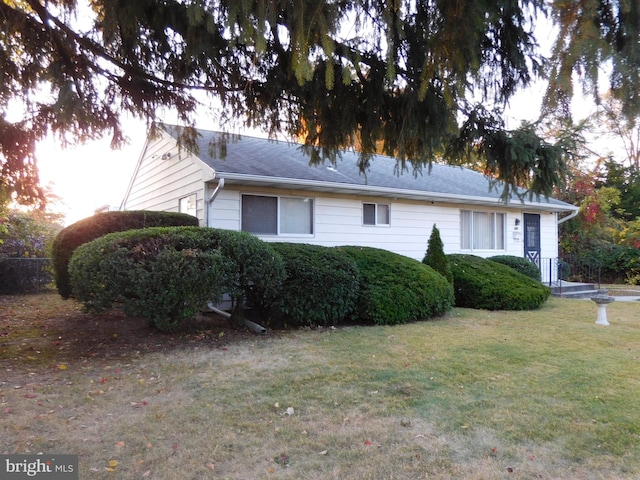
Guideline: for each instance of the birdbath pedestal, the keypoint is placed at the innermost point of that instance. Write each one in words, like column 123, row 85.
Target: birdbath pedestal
column 602, row 299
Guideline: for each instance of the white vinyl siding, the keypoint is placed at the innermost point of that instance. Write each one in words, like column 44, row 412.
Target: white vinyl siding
column 161, row 184
column 332, row 219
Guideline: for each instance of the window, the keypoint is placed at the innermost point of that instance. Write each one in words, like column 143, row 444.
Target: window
column 482, row 230
column 266, row 215
column 188, row 205
column 375, row 213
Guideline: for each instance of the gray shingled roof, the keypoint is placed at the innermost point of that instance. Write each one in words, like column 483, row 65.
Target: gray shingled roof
column 259, row 161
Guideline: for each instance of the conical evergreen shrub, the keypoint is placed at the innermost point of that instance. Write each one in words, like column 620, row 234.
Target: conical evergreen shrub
column 435, row 257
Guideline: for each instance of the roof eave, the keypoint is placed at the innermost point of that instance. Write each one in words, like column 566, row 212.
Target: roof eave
column 353, row 189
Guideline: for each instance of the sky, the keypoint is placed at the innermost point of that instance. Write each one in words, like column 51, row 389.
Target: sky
column 89, row 176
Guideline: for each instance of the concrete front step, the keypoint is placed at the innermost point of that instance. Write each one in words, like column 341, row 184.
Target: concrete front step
column 574, row 290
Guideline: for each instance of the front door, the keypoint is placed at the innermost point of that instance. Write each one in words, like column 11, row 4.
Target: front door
column 532, row 238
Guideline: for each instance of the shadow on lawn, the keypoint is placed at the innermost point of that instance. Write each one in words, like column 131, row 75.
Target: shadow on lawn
column 46, row 331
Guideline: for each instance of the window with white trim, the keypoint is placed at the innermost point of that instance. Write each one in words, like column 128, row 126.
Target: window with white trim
column 188, row 205
column 375, row 213
column 272, row 215
column 482, row 230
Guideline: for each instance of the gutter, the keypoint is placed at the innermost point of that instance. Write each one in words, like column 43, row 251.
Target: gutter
column 337, row 187
column 569, row 217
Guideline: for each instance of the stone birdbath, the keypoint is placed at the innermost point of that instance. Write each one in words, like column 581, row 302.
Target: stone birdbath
column 602, row 299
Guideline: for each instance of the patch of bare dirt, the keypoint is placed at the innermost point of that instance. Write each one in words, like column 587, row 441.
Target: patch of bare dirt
column 45, row 331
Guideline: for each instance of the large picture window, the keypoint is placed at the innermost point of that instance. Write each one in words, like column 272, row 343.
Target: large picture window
column 482, row 230
column 268, row 215
column 375, row 214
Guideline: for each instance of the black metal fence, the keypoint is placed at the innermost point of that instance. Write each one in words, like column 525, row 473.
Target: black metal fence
column 580, row 270
column 25, row 275
column 591, row 270
column 550, row 271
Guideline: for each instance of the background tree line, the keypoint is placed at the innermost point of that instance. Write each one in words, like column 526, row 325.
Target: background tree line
column 605, row 184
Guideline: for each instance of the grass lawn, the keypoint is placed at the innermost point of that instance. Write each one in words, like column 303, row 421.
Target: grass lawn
column 474, row 395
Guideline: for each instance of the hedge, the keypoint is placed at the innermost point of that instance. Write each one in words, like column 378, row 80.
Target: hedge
column 167, row 274
column 397, row 289
column 321, row 285
column 484, row 284
column 98, row 225
column 519, row 264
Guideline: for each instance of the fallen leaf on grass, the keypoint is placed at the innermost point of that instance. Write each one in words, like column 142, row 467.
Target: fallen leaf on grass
column 120, row 444
column 282, row 459
column 112, row 466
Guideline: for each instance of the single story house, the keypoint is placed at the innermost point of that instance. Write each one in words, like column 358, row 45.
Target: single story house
column 268, row 188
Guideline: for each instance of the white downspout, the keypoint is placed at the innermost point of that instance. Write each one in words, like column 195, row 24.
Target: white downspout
column 212, row 197
column 219, row 187
column 568, row 217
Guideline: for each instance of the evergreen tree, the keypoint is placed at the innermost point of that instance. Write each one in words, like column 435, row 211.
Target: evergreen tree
column 396, row 77
column 435, row 256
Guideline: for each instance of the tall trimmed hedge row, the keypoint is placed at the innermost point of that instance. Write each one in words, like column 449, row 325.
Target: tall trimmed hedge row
column 397, row 289
column 484, row 284
column 168, row 274
column 321, row 285
column 98, row 225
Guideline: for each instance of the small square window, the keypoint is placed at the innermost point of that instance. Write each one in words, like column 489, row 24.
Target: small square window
column 376, row 213
column 188, row 205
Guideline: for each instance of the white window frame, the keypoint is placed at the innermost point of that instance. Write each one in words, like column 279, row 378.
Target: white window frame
column 184, row 204
column 279, row 220
column 376, row 214
column 498, row 242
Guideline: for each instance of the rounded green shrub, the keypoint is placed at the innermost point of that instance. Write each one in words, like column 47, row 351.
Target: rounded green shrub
column 100, row 224
column 519, row 264
column 396, row 289
column 252, row 265
column 167, row 274
column 321, row 285
column 484, row 284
